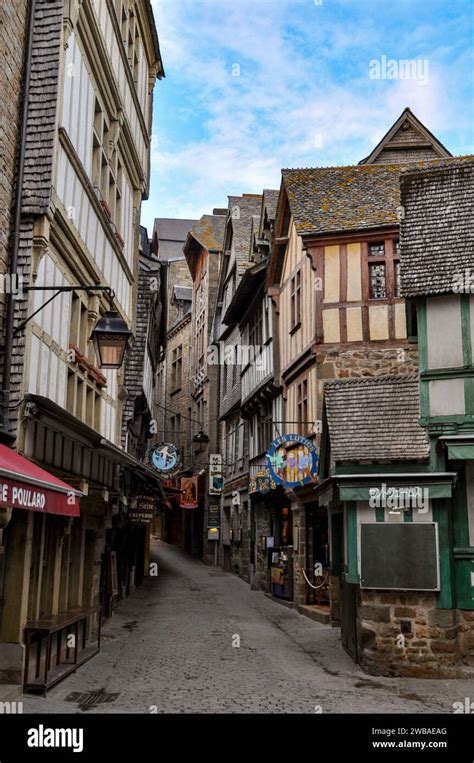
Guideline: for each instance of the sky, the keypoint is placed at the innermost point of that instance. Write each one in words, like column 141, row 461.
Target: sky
column 253, row 86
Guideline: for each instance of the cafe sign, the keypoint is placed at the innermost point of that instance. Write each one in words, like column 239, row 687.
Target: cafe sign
column 142, row 511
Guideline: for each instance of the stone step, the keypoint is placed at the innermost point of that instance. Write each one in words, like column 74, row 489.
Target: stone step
column 314, row 612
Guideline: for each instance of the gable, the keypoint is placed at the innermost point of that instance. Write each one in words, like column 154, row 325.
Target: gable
column 408, row 140
column 293, row 253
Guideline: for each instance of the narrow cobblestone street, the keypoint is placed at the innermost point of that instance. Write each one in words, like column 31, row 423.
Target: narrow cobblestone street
column 169, row 649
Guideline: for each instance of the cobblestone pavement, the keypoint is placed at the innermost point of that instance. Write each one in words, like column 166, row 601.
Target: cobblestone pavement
column 169, row 648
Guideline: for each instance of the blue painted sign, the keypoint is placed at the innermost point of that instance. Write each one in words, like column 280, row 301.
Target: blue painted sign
column 293, row 460
column 165, row 458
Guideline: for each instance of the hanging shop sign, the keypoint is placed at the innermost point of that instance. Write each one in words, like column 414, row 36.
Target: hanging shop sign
column 165, row 458
column 293, row 460
column 216, row 476
column 142, row 511
column 262, row 482
column 189, row 493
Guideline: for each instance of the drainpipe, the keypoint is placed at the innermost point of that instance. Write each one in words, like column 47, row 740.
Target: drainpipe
column 13, row 261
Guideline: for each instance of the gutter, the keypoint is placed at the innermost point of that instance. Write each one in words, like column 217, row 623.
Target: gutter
column 13, row 260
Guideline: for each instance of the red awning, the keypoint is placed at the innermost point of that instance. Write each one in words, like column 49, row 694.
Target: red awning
column 24, row 485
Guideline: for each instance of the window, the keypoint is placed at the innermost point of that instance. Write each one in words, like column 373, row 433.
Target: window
column 234, row 368
column 264, row 428
column 200, row 341
column 396, row 266
column 302, row 406
column 176, row 367
column 107, row 171
column 377, row 283
column 383, row 262
column 295, row 297
column 83, row 396
column 256, row 328
column 175, row 428
column 377, row 250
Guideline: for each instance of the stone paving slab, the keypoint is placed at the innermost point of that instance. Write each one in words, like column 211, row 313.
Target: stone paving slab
column 171, row 648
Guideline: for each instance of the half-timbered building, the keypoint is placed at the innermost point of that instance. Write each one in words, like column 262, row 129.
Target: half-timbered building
column 335, row 269
column 90, row 77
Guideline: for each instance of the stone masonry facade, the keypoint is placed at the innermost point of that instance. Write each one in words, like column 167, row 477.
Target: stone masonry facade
column 404, row 634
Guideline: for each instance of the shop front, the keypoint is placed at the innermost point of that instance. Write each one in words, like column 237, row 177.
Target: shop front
column 65, row 571
column 45, row 629
column 293, row 465
column 280, row 550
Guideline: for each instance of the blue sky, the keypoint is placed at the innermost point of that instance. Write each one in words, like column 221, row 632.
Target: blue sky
column 253, row 86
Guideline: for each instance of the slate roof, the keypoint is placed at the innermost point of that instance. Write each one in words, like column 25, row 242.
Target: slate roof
column 334, row 199
column 437, row 231
column 183, row 293
column 270, row 202
column 169, row 235
column 42, row 106
column 244, row 294
column 375, row 420
column 209, row 232
column 248, row 206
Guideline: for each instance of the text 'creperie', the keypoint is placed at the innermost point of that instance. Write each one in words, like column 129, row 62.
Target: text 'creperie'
column 16, row 496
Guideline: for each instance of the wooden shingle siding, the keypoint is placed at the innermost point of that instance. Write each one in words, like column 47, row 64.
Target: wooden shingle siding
column 12, row 41
column 375, row 420
column 42, row 110
column 437, row 235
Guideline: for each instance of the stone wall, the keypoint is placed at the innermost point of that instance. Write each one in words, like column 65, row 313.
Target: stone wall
column 178, row 275
column 367, row 362
column 404, row 634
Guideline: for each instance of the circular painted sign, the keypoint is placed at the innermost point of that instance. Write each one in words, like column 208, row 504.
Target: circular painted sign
column 293, row 460
column 165, row 458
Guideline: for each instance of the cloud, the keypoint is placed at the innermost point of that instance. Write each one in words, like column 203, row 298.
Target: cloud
column 252, row 87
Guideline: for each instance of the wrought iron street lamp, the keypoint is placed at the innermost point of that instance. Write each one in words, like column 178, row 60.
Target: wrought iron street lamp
column 110, row 339
column 111, row 334
column 201, row 438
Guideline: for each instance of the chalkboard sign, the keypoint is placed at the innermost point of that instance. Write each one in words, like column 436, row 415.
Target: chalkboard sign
column 400, row 556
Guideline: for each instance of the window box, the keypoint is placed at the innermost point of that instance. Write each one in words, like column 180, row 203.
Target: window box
column 106, row 208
